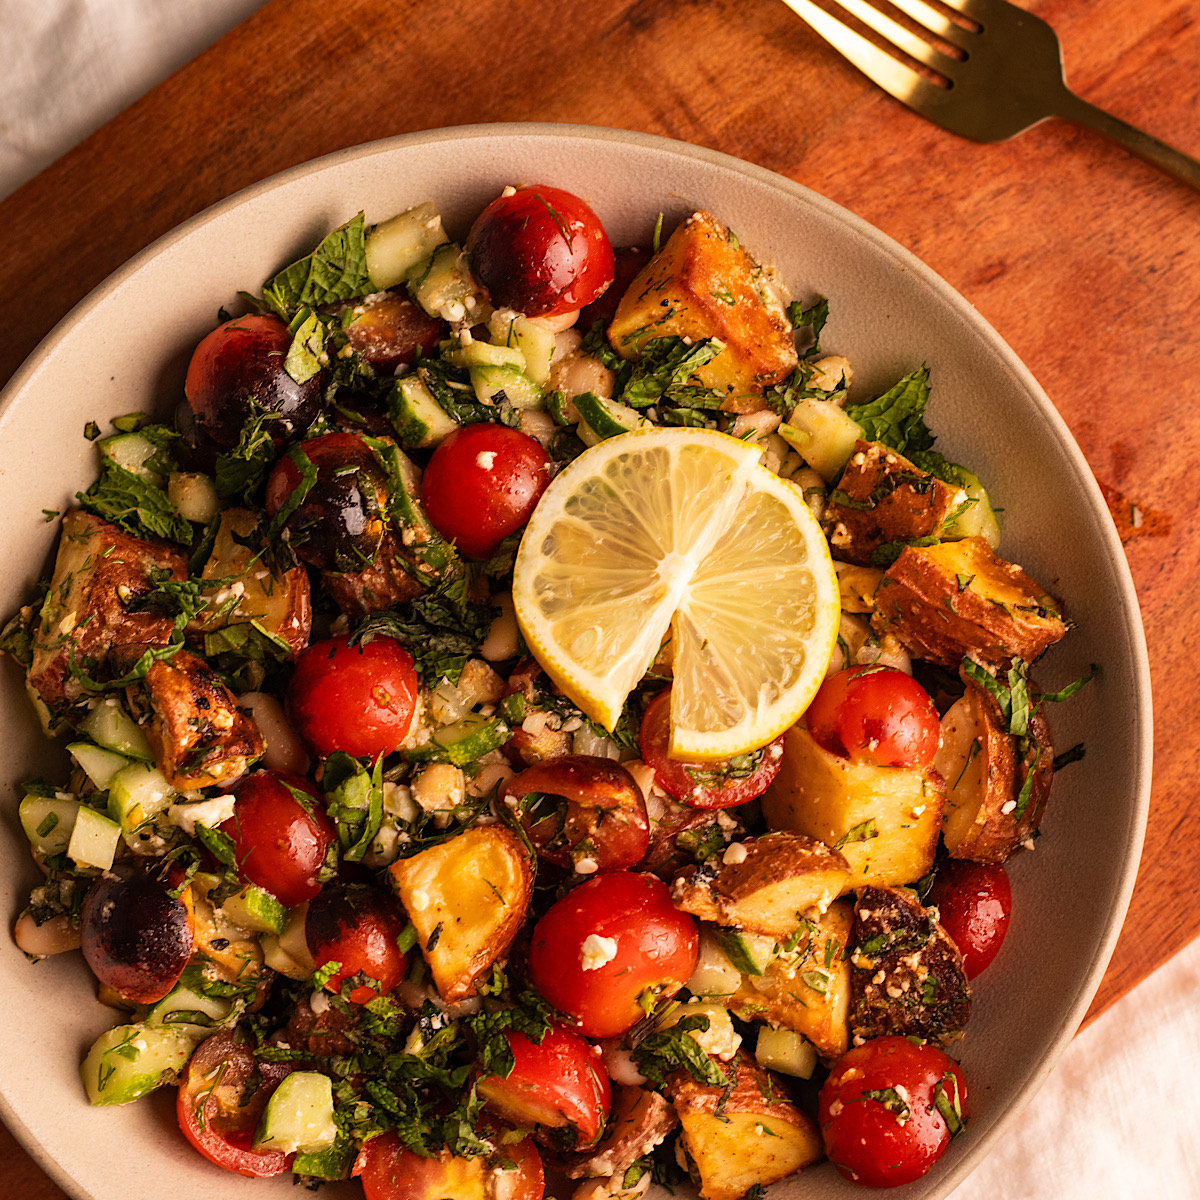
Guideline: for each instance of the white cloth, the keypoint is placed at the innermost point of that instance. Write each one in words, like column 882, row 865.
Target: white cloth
column 1120, row 1117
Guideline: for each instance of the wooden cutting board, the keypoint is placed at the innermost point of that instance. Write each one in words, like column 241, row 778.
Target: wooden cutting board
column 1086, row 261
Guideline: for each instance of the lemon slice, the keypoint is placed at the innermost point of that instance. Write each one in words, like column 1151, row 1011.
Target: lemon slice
column 679, row 526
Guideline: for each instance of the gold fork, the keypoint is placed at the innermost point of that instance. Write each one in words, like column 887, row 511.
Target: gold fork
column 1010, row 78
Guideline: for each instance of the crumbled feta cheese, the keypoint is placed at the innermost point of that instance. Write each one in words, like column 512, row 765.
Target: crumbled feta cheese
column 318, row 1002
column 419, row 900
column 1008, row 806
column 586, row 866
column 209, row 813
column 736, row 853
column 485, row 459
column 596, row 951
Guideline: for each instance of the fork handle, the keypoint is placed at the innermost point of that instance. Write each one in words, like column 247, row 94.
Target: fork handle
column 1166, row 158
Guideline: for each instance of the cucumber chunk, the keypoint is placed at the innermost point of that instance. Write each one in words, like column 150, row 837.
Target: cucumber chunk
column 287, row 952
column 110, row 726
column 530, row 336
column 714, row 975
column 979, row 519
column 136, row 454
column 48, row 822
column 131, row 1060
column 490, row 383
column 98, row 764
column 419, row 420
column 334, row 1163
column 750, row 953
column 823, row 434
column 136, row 795
column 189, row 1011
column 484, row 354
column 464, row 741
column 255, row 910
column 194, row 495
column 93, row 839
column 396, row 245
column 299, row 1116
column 442, row 285
column 601, row 419
column 786, row 1051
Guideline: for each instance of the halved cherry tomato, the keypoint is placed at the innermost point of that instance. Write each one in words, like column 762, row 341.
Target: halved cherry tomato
column 704, row 784
column 359, row 699
column 388, row 330
column 875, row 715
column 974, row 901
column 582, row 810
column 356, row 925
column 556, row 1082
column 281, row 835
column 219, row 1111
column 482, row 484
column 541, row 251
column 610, row 949
column 889, row 1109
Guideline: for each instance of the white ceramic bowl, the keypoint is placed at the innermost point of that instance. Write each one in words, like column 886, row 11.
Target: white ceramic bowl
column 126, row 346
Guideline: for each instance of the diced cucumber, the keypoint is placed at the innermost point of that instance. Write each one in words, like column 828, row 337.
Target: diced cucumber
column 288, row 952
column 484, row 354
column 48, row 822
column 442, row 285
column 492, row 383
column 714, row 975
column 255, row 910
column 601, row 419
column 464, row 741
column 977, row 520
column 94, row 839
column 110, row 726
column 131, row 1060
column 136, row 795
column 399, row 243
column 823, row 434
column 136, row 454
column 190, row 1011
column 194, row 495
column 334, row 1163
column 299, row 1116
column 786, row 1051
column 535, row 341
column 419, row 420
column 750, row 953
column 98, row 764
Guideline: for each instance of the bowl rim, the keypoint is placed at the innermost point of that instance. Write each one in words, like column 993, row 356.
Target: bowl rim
column 1131, row 624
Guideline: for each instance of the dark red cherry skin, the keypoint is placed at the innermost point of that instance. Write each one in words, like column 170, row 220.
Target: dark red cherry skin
column 627, row 262
column 388, row 330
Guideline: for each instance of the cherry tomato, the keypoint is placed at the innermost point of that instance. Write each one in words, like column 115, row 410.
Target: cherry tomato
column 339, row 523
column 556, row 1082
column 541, row 251
column 281, row 842
column 389, row 1171
column 218, row 1113
column 482, row 484
column 359, row 699
column 974, row 901
column 584, row 810
column 628, row 261
column 237, row 372
column 875, row 715
column 708, row 784
column 881, row 1110
column 388, row 330
column 356, row 926
column 609, row 943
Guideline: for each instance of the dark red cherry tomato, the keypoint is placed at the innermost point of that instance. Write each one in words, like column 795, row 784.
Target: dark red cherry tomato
column 975, row 903
column 388, row 330
column 608, row 943
column 556, row 1082
column 482, row 484
column 356, row 926
column 585, row 811
column 541, row 251
column 219, row 1113
column 704, row 784
column 875, row 715
column 359, row 699
column 281, row 835
column 889, row 1109
column 237, row 372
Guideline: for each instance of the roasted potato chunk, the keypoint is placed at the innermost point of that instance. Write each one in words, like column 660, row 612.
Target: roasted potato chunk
column 908, row 976
column 702, row 284
column 997, row 785
column 467, row 898
column 808, row 988
column 760, row 1136
column 199, row 735
column 637, row 1122
column 99, row 575
column 764, row 884
column 958, row 600
column 393, row 577
column 884, row 821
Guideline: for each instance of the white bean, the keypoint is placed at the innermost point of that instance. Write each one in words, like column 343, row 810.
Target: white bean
column 285, row 751
column 55, row 936
column 501, row 641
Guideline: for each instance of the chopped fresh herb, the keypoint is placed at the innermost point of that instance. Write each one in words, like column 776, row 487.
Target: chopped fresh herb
column 950, row 1106
column 135, row 504
column 1067, row 757
column 862, row 832
column 335, row 270
column 812, row 317
column 673, row 1049
column 891, row 1100
column 91, row 431
column 303, row 359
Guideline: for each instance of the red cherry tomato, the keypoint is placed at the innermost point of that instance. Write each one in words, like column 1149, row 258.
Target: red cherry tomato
column 541, row 251
column 357, row 925
column 281, row 842
column 607, row 943
column 482, row 484
column 881, row 1110
column 389, row 1171
column 359, row 699
column 556, row 1082
column 875, row 715
column 219, row 1114
column 709, row 784
column 975, row 903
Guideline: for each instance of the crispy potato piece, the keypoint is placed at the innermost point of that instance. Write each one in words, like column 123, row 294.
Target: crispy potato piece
column 228, row 952
column 807, row 990
column 760, row 1136
column 467, row 898
column 393, row 578
column 702, row 284
column 885, row 821
column 638, row 1121
column 99, row 573
column 882, row 497
column 987, row 818
column 856, row 587
column 279, row 603
column 957, row 600
column 908, row 976
column 767, row 886
column 199, row 735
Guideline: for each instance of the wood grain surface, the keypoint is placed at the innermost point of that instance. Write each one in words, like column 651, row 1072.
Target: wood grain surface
column 1084, row 259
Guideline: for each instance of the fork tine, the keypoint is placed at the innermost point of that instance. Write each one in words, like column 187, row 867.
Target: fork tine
column 893, row 76
column 969, row 8
column 936, row 22
column 897, row 34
